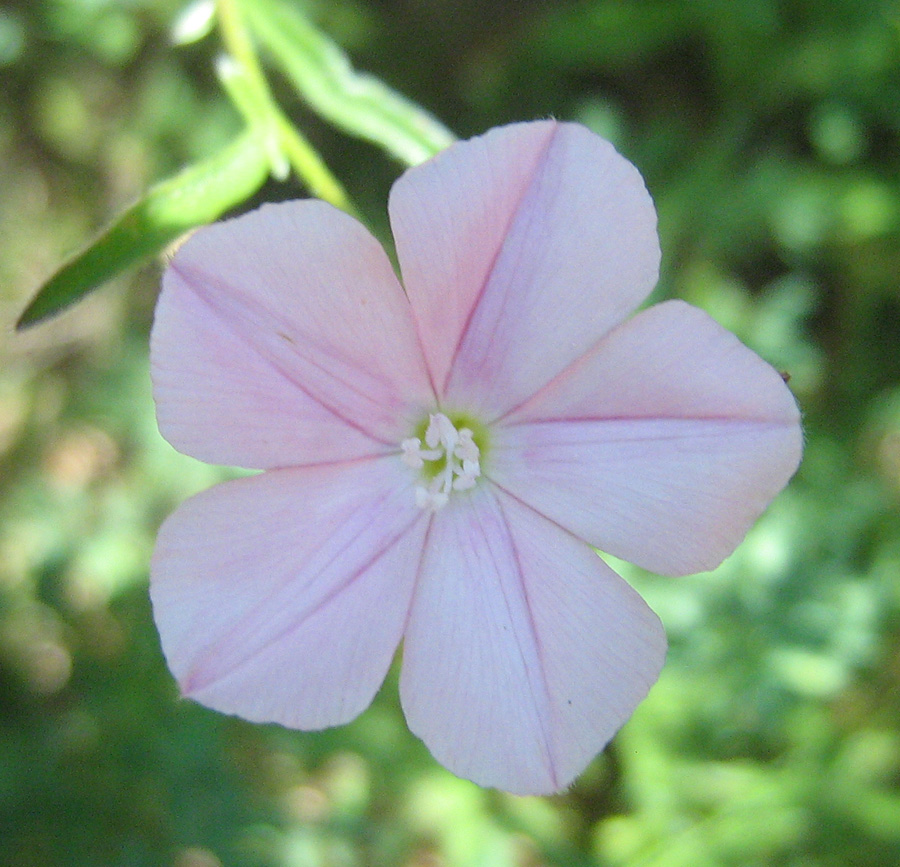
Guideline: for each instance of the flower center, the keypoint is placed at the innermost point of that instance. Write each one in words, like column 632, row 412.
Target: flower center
column 450, row 461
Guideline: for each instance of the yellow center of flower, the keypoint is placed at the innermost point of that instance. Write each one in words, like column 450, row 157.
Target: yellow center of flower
column 450, row 461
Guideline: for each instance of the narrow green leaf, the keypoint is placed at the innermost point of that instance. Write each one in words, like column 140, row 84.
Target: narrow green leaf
column 356, row 102
column 198, row 194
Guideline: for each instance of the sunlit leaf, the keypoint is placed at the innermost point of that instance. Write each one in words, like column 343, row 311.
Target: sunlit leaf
column 356, row 102
column 197, row 195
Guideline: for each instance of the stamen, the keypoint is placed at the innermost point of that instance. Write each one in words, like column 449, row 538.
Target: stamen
column 456, row 447
column 411, row 453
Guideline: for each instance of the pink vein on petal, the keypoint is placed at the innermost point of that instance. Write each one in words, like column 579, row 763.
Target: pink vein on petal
column 190, row 681
column 514, row 214
column 538, row 512
column 194, row 279
column 555, row 381
column 567, row 532
column 763, row 423
column 551, row 765
column 420, row 342
column 418, row 580
column 673, row 310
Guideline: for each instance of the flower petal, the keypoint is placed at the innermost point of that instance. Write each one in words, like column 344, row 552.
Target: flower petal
column 281, row 597
column 281, row 338
column 519, row 250
column 662, row 446
column 524, row 652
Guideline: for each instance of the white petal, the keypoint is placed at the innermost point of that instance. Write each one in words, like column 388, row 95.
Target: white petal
column 524, row 652
column 673, row 496
column 282, row 337
column 519, row 250
column 661, row 446
column 282, row 597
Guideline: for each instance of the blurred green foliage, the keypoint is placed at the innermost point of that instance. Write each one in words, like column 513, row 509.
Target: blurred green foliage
column 769, row 135
column 271, row 143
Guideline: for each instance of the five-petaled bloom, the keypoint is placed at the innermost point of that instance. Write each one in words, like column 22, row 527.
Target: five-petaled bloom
column 438, row 462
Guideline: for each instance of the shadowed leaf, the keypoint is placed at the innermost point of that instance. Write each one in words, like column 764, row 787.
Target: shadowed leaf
column 197, row 195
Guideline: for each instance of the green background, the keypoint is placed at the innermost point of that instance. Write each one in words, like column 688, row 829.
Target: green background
column 769, row 136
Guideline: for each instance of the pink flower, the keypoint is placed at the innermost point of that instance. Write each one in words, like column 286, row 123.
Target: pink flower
column 439, row 463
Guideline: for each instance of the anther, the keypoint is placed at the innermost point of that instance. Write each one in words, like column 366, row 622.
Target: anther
column 445, row 442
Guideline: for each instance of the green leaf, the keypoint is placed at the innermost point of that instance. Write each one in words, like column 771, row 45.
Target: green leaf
column 358, row 103
column 199, row 194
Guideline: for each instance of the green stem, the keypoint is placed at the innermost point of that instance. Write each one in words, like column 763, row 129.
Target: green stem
column 256, row 103
column 311, row 167
column 237, row 41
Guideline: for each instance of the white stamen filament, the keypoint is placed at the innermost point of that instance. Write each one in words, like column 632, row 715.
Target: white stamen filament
column 443, row 441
